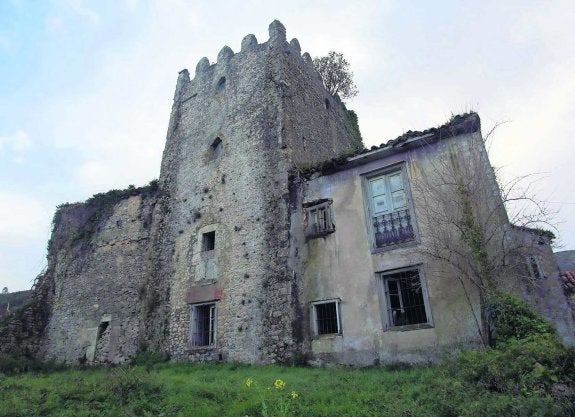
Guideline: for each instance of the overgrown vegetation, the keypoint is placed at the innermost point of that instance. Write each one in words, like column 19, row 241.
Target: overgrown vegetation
column 336, row 74
column 528, row 373
column 14, row 300
column 99, row 207
column 356, row 133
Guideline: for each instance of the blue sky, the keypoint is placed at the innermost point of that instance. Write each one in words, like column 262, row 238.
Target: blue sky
column 86, row 89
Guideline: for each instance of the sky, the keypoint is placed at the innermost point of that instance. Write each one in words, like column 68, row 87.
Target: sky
column 86, row 89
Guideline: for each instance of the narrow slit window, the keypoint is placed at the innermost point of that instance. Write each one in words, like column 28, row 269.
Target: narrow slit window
column 208, row 241
column 221, row 84
column 216, row 149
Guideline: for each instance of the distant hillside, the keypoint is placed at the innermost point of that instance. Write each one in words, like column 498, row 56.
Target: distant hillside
column 15, row 299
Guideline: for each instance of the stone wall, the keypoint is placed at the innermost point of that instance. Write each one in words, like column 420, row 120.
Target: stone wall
column 22, row 331
column 537, row 280
column 125, row 269
column 566, row 260
column 97, row 261
column 236, row 130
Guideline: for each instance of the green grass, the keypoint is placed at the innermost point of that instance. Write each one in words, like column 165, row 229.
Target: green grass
column 529, row 373
column 184, row 389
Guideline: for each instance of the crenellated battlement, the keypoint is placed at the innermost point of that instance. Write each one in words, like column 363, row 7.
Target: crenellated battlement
column 217, row 233
column 276, row 43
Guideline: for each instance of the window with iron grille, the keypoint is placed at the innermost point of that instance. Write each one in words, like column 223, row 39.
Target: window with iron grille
column 318, row 220
column 203, row 324
column 405, row 298
column 391, row 219
column 325, row 317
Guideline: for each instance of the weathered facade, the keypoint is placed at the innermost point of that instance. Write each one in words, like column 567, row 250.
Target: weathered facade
column 245, row 252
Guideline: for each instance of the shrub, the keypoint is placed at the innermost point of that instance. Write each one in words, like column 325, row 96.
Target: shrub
column 12, row 365
column 515, row 319
column 149, row 358
column 127, row 384
column 525, row 367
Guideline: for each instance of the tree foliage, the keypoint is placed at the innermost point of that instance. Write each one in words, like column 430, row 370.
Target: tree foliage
column 464, row 222
column 336, row 74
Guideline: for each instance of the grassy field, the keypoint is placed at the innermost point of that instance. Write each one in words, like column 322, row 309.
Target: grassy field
column 183, row 389
column 529, row 373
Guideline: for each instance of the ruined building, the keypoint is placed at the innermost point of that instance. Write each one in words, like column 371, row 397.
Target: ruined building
column 272, row 235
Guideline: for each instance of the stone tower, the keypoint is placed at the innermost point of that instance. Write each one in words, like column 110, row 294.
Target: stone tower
column 220, row 230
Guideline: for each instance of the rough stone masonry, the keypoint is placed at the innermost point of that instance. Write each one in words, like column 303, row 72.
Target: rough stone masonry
column 261, row 242
column 123, row 268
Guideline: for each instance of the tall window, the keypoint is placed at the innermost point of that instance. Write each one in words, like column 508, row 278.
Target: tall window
column 391, row 218
column 405, row 298
column 325, row 317
column 203, row 324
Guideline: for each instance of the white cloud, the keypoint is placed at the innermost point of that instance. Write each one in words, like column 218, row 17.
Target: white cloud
column 5, row 42
column 23, row 217
column 17, row 142
column 54, row 24
column 131, row 4
column 79, row 7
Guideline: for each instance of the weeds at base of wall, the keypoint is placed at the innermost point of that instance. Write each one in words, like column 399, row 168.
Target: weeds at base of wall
column 127, row 385
column 13, row 365
column 149, row 359
column 528, row 373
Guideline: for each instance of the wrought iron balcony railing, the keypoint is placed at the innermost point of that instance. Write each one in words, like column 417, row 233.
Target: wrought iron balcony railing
column 393, row 228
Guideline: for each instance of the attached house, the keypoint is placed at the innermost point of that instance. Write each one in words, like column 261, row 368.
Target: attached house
column 380, row 275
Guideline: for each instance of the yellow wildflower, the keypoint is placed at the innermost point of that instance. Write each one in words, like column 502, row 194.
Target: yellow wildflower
column 294, row 395
column 249, row 382
column 279, row 384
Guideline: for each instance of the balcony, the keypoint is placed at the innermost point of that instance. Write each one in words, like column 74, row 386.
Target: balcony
column 393, row 228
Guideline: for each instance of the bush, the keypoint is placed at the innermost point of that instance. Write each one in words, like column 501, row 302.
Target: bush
column 149, row 358
column 126, row 385
column 515, row 319
column 523, row 371
column 12, row 365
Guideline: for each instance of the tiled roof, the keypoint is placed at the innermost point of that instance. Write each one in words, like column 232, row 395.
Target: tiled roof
column 568, row 278
column 457, row 125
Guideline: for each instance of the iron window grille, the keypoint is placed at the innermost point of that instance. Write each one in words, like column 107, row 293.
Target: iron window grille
column 391, row 216
column 326, row 317
column 405, row 298
column 203, row 324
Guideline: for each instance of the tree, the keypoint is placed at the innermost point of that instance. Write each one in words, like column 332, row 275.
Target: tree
column 466, row 228
column 336, row 74
column 5, row 290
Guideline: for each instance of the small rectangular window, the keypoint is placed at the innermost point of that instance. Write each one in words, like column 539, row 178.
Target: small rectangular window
column 326, row 317
column 405, row 298
column 318, row 220
column 208, row 241
column 203, row 324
